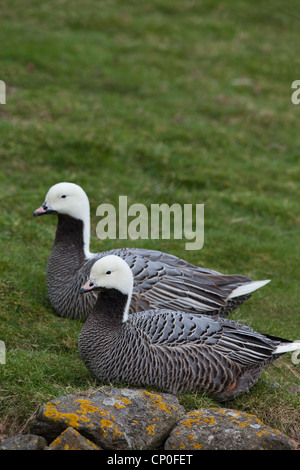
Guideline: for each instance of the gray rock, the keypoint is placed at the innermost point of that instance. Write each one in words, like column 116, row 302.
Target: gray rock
column 146, row 417
column 81, row 413
column 70, row 439
column 24, row 442
column 112, row 419
column 225, row 429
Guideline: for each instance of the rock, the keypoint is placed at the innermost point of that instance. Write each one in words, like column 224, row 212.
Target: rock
column 134, row 419
column 80, row 413
column 225, row 429
column 146, row 417
column 24, row 442
column 70, row 439
column 113, row 419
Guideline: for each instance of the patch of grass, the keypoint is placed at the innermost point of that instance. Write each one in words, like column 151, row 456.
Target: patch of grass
column 163, row 102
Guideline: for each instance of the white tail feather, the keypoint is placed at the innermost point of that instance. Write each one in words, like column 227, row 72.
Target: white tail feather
column 247, row 288
column 287, row 347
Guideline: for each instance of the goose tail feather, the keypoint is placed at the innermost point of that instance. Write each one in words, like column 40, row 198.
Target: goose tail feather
column 247, row 288
column 287, row 347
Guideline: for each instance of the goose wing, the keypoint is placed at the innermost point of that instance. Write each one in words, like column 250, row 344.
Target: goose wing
column 162, row 280
column 221, row 336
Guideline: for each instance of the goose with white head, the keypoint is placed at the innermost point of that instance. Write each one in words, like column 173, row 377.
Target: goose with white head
column 160, row 279
column 171, row 351
column 70, row 257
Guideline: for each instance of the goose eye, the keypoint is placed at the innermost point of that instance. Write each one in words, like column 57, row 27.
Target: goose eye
column 108, row 272
column 63, row 196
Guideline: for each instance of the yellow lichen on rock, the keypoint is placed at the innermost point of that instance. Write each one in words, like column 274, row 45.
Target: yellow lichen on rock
column 86, row 406
column 72, row 419
column 86, row 413
column 124, row 403
column 235, row 415
column 197, row 446
column 151, row 429
column 195, row 417
column 107, row 424
column 158, row 401
column 119, row 406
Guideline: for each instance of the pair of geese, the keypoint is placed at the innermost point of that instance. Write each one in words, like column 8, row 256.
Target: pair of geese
column 150, row 318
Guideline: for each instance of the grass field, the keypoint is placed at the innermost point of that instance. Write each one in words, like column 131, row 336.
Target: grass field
column 164, row 101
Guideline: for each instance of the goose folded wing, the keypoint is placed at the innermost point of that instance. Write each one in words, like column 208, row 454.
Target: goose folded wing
column 245, row 346
column 228, row 338
column 162, row 280
column 169, row 328
column 167, row 286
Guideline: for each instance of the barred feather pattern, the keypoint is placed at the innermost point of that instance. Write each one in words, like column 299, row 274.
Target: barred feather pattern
column 173, row 351
column 161, row 280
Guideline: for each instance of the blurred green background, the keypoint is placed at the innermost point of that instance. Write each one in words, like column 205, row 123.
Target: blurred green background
column 165, row 102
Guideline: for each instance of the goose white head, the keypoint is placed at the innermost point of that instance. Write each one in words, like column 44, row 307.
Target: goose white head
column 68, row 199
column 111, row 272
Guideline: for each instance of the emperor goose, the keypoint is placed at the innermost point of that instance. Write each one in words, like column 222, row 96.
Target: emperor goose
column 172, row 351
column 160, row 279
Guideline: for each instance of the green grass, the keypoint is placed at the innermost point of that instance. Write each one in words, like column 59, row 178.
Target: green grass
column 164, row 101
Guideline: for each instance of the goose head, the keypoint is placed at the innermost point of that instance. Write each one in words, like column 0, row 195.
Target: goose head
column 68, row 199
column 65, row 198
column 111, row 272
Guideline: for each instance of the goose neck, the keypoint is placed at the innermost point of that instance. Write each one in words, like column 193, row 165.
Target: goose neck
column 113, row 305
column 72, row 232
